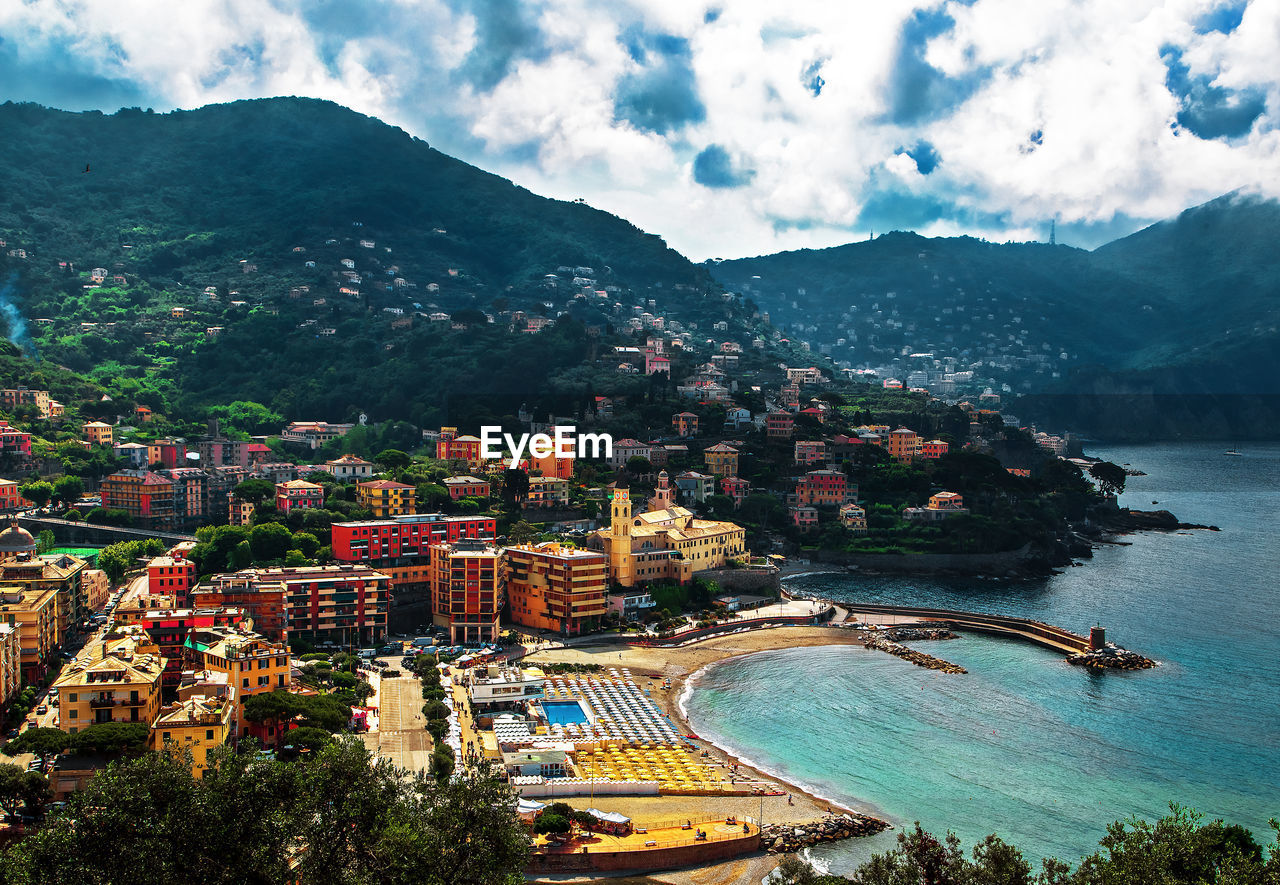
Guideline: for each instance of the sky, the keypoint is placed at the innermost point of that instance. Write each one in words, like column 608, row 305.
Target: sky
column 737, row 127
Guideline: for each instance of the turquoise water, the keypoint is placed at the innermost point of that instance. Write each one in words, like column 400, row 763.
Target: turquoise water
column 1024, row 745
column 564, row 712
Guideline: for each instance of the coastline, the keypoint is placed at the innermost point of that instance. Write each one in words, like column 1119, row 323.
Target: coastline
column 682, row 665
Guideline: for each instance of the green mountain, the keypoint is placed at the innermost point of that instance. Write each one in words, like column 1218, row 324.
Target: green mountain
column 294, row 253
column 1170, row 332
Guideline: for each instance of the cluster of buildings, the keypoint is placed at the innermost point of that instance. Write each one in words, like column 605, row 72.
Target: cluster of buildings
column 43, row 598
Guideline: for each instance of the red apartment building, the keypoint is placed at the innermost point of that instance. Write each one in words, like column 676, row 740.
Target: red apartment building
column 823, row 488
column 400, row 547
column 779, row 425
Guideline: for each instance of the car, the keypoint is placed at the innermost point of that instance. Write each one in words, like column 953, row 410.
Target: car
column 42, row 709
column 11, row 733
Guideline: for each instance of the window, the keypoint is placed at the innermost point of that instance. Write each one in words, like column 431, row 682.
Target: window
column 208, row 735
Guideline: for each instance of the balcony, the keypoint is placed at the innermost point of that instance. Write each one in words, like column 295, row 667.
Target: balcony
column 95, row 703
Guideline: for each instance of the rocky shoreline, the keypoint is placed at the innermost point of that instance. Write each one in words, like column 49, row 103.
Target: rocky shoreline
column 1111, row 657
column 788, row 838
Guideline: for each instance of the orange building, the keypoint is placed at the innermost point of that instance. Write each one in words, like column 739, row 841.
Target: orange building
column 253, row 664
column 468, row 590
column 147, row 497
column 547, row 491
column 685, row 424
column 903, row 444
column 98, row 433
column 557, row 588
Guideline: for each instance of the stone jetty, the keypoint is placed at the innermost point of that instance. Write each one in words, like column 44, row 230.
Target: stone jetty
column 1110, row 657
column 884, row 640
column 787, row 838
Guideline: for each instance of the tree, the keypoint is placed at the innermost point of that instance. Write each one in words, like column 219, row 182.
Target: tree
column 18, row 788
column 269, row 542
column 110, row 738
column 45, row 541
column 638, row 465
column 393, row 459
column 38, row 492
column 255, row 491
column 551, row 823
column 73, row 515
column 68, row 489
column 40, row 741
column 523, row 532
column 1111, row 477
column 117, row 559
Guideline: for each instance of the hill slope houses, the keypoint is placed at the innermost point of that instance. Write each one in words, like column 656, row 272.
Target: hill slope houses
column 205, row 222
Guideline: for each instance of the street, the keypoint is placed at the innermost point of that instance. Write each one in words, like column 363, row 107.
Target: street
column 401, row 735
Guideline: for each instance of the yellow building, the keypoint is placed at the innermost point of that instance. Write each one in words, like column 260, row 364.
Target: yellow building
column 385, row 498
column 98, row 433
column 722, row 460
column 197, row 724
column 10, row 663
column 119, row 683
column 60, row 572
column 665, row 543
column 34, row 614
column 253, row 664
column 553, row 587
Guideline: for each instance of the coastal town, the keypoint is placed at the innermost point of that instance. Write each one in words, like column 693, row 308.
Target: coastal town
column 179, row 589
column 270, row 591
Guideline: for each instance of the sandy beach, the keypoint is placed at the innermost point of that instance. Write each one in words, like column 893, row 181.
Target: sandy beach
column 678, row 665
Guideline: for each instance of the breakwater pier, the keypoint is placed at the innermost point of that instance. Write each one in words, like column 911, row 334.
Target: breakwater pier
column 1092, row 651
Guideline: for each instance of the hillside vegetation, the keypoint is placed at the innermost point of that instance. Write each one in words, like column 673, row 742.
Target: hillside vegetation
column 223, row 233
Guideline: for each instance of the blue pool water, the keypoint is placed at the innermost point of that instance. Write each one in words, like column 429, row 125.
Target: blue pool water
column 1025, row 745
column 564, row 712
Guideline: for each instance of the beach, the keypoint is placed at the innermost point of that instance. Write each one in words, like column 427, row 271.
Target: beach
column 649, row 666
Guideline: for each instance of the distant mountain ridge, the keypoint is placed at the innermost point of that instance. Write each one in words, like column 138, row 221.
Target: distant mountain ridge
column 1185, row 309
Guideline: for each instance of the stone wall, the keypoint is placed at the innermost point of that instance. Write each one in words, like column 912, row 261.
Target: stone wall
column 913, row 563
column 758, row 582
column 644, row 860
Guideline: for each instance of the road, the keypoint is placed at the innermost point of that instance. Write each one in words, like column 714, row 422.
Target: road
column 402, row 736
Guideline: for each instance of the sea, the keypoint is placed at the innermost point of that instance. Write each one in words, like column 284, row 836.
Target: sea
column 1026, row 746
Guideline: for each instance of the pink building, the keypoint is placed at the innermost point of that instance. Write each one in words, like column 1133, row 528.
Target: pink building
column 298, row 493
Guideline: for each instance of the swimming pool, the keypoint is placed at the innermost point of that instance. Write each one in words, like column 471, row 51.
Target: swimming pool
column 564, row 713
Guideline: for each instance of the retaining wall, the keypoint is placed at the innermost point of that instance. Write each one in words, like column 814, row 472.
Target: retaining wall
column 644, row 860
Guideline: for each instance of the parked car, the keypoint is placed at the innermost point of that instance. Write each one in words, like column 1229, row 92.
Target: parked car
column 42, row 709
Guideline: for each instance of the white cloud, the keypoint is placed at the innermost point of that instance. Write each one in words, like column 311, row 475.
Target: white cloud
column 1059, row 108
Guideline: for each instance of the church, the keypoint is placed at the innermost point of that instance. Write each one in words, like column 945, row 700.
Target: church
column 664, row 543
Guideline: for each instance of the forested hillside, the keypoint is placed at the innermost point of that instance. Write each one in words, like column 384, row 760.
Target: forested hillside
column 295, row 253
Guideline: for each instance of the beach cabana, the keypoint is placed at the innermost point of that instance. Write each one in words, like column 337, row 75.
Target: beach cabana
column 611, row 822
column 527, row 809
